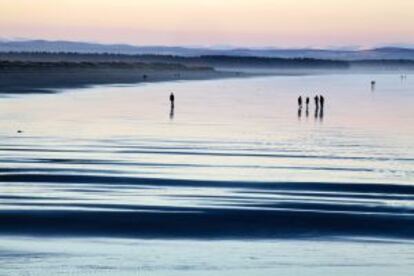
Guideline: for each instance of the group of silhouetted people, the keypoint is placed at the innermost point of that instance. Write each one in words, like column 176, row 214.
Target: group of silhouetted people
column 319, row 106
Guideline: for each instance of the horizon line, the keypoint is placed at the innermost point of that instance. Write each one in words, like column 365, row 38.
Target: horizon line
column 221, row 46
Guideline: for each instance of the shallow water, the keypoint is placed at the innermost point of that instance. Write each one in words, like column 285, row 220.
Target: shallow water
column 234, row 161
column 192, row 257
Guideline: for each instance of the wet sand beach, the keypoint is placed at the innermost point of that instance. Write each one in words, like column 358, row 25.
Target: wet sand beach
column 234, row 173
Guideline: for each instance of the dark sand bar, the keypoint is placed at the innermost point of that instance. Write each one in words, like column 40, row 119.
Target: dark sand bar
column 46, row 77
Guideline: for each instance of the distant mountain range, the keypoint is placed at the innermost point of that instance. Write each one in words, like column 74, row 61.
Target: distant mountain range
column 385, row 53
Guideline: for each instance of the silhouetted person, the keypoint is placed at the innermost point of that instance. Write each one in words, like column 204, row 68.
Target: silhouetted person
column 373, row 85
column 307, row 106
column 316, row 102
column 299, row 112
column 321, row 101
column 300, row 102
column 172, row 99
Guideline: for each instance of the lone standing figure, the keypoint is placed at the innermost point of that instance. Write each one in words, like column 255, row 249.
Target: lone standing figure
column 172, row 98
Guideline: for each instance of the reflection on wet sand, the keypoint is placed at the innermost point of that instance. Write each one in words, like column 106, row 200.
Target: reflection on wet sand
column 172, row 112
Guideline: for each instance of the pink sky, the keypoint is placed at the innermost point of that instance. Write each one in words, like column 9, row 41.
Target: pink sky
column 277, row 23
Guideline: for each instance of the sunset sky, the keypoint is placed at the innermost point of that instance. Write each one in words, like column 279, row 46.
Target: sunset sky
column 276, row 23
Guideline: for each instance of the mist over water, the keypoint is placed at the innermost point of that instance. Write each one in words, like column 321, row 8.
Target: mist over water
column 235, row 160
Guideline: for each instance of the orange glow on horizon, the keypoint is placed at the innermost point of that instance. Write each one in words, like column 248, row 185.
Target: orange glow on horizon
column 279, row 23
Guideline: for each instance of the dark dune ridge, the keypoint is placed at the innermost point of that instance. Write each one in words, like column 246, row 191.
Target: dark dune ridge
column 198, row 61
column 205, row 61
column 47, row 77
column 353, row 213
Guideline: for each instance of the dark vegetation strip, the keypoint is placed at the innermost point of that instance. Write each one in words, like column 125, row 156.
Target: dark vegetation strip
column 200, row 61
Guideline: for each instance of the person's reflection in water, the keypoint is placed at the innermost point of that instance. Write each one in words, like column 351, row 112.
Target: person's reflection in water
column 307, row 112
column 321, row 114
column 299, row 113
column 172, row 113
